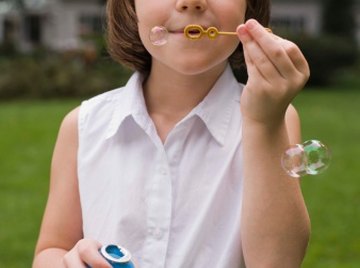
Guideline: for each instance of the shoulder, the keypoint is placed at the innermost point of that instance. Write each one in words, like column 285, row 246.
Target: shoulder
column 71, row 119
column 100, row 108
column 292, row 121
column 103, row 100
column 292, row 114
column 120, row 94
column 68, row 133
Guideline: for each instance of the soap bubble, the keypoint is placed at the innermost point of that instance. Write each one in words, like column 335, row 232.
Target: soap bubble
column 318, row 157
column 158, row 36
column 310, row 158
column 294, row 161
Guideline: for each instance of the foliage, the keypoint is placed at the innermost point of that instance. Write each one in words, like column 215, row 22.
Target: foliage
column 330, row 58
column 339, row 18
column 70, row 74
column 327, row 55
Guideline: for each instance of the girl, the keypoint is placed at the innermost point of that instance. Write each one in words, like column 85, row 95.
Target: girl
column 182, row 165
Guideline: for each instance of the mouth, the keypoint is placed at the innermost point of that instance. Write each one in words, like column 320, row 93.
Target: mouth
column 176, row 31
column 194, row 31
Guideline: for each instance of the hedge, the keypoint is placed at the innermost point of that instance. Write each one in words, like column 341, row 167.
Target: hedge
column 58, row 75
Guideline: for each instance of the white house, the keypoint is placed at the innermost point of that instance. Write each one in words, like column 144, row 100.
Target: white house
column 304, row 16
column 69, row 20
column 56, row 24
column 61, row 24
column 297, row 16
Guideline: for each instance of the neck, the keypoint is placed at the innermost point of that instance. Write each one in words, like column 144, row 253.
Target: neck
column 173, row 94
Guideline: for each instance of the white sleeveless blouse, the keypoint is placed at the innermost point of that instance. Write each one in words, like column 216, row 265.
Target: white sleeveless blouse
column 177, row 204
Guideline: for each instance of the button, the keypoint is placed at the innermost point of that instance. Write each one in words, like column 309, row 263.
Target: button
column 163, row 171
column 157, row 233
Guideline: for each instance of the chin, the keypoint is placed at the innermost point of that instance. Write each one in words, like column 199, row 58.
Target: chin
column 196, row 67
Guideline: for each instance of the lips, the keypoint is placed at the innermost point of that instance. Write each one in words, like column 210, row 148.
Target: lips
column 176, row 31
column 195, row 31
column 181, row 30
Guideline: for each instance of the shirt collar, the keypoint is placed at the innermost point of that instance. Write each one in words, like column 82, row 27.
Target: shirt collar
column 217, row 107
column 128, row 101
column 215, row 110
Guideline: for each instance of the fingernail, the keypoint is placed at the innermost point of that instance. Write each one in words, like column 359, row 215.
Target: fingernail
column 241, row 29
column 251, row 24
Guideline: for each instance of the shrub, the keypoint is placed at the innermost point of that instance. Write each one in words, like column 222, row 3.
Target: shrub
column 326, row 56
column 55, row 75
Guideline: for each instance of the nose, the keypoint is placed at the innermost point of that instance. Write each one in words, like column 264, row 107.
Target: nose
column 191, row 5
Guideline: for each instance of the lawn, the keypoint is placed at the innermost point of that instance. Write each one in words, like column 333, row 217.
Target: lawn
column 28, row 132
column 333, row 198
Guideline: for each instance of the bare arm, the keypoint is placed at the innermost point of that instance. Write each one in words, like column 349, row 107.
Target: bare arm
column 275, row 228
column 58, row 244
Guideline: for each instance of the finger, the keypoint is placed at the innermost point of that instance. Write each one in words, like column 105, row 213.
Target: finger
column 296, row 56
column 256, row 55
column 73, row 260
column 253, row 72
column 250, row 66
column 135, row 262
column 273, row 49
column 89, row 253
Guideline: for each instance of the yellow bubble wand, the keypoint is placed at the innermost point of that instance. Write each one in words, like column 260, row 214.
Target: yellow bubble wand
column 159, row 34
column 195, row 32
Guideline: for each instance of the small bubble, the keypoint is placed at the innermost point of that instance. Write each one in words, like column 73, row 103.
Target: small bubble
column 158, row 36
column 293, row 161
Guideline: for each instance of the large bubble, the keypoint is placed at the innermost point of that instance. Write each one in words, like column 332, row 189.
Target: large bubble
column 318, row 157
column 310, row 158
column 294, row 161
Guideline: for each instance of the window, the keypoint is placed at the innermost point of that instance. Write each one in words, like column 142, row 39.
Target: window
column 32, row 25
column 90, row 24
column 289, row 24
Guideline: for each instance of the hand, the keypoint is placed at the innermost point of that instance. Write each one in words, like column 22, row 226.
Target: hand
column 277, row 71
column 85, row 252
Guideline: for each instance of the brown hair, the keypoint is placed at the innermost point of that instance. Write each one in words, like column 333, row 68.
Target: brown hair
column 125, row 46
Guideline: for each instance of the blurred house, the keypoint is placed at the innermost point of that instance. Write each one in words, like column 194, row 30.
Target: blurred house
column 297, row 16
column 55, row 24
column 303, row 17
column 63, row 24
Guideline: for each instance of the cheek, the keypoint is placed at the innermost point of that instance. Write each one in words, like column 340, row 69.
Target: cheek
column 143, row 33
column 233, row 13
column 147, row 20
column 230, row 45
column 152, row 12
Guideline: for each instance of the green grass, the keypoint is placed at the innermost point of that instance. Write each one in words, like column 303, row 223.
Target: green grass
column 333, row 198
column 27, row 136
column 28, row 132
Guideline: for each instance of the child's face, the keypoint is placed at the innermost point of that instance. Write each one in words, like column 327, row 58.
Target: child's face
column 181, row 54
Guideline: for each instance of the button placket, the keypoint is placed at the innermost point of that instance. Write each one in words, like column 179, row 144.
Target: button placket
column 163, row 171
column 156, row 233
column 159, row 212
